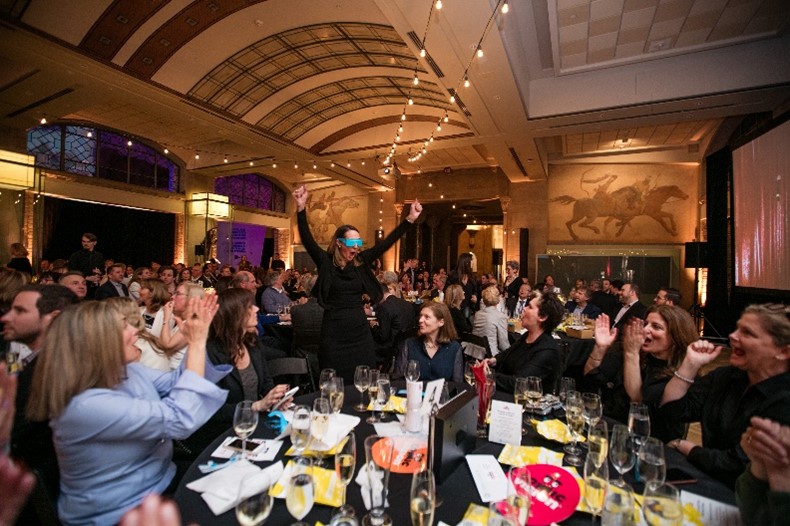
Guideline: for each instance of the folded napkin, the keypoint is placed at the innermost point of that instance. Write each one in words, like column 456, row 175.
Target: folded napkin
column 396, row 404
column 364, row 485
column 340, row 426
column 222, row 489
column 327, row 488
column 554, row 430
column 476, row 515
column 527, row 455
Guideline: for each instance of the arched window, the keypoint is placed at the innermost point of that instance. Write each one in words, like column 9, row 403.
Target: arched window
column 251, row 190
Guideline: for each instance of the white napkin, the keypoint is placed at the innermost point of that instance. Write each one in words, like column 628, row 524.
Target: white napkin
column 364, row 484
column 340, row 425
column 222, row 489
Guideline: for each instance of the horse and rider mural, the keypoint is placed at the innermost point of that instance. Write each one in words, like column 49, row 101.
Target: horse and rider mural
column 622, row 203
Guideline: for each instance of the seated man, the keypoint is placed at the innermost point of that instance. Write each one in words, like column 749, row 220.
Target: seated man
column 274, row 299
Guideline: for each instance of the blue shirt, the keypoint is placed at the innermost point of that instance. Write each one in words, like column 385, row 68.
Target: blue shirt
column 115, row 446
column 447, row 363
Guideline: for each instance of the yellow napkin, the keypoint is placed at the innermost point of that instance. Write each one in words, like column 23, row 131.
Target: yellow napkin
column 311, row 453
column 328, row 489
column 525, row 455
column 396, row 404
column 554, row 430
column 475, row 514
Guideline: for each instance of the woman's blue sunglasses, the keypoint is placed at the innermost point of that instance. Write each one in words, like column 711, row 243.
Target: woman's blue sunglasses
column 351, row 242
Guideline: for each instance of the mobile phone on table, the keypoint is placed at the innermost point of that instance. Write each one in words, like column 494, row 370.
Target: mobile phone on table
column 287, row 396
column 236, row 445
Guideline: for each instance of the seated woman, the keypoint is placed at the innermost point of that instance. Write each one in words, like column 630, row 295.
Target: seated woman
column 153, row 296
column 233, row 339
column 489, row 322
column 113, row 421
column 757, row 383
column 535, row 353
column 651, row 351
column 435, row 348
column 453, row 298
column 149, row 352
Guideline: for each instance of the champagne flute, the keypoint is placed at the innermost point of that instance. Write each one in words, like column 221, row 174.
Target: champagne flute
column 534, row 390
column 361, row 382
column 256, row 503
column 595, row 482
column 336, row 394
column 518, row 492
column 423, row 498
column 598, row 442
column 373, row 389
column 618, row 506
column 300, row 496
column 245, row 420
column 520, row 397
column 413, row 371
column 346, row 462
column 650, row 463
column 300, row 428
column 621, row 450
column 574, row 409
column 379, row 452
column 383, row 395
column 661, row 505
column 567, row 385
column 323, row 381
column 639, row 423
column 319, row 425
column 502, row 513
column 593, row 410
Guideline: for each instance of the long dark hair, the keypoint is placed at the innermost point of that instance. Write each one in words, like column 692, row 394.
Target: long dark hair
column 228, row 326
column 333, row 249
column 464, row 266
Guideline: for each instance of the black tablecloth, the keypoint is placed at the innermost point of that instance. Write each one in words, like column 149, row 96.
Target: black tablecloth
column 458, row 490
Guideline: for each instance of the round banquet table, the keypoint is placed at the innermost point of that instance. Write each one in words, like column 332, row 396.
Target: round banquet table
column 457, row 491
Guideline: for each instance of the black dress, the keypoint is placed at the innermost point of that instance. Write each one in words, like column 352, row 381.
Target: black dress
column 540, row 358
column 346, row 338
column 22, row 264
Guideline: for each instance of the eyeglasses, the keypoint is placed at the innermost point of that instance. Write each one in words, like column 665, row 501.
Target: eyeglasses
column 351, row 242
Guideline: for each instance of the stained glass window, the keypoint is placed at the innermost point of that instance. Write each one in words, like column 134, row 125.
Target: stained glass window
column 251, row 190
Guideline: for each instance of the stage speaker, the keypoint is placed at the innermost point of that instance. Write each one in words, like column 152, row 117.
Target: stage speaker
column 199, row 250
column 696, row 255
column 496, row 257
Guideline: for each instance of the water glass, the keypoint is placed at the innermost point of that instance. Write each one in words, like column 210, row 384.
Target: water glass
column 593, row 410
column 618, row 506
column 595, row 484
column 574, row 411
column 300, row 428
column 378, row 460
column 323, row 381
column 650, row 463
column 256, row 503
column 336, row 394
column 598, row 442
column 566, row 386
column 621, row 450
column 245, row 420
column 413, row 371
column 661, row 505
column 639, row 422
column 423, row 498
column 345, row 462
column 534, row 390
column 361, row 382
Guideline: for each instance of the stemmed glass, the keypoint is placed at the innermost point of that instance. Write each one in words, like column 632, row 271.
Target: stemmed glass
column 598, row 442
column 382, row 397
column 378, row 462
column 301, row 495
column 373, row 389
column 300, row 428
column 567, row 385
column 621, row 450
column 423, row 498
column 256, row 503
column 319, row 424
column 336, row 394
column 245, row 420
column 520, row 397
column 593, row 410
column 639, row 423
column 518, row 492
column 345, row 462
column 361, row 382
column 650, row 463
column 618, row 506
column 413, row 371
column 661, row 505
column 595, row 482
column 502, row 513
column 323, row 381
column 534, row 390
column 574, row 409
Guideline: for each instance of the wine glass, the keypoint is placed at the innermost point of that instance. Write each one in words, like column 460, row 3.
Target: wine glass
column 384, row 393
column 574, row 409
column 639, row 423
column 413, row 371
column 567, row 385
column 373, row 389
column 520, row 397
column 593, row 410
column 502, row 513
column 377, row 397
column 595, row 482
column 323, row 381
column 319, row 424
column 346, row 462
column 423, row 498
column 534, row 390
column 300, row 496
column 300, row 428
column 621, row 450
column 336, row 394
column 650, row 463
column 598, row 442
column 245, row 420
column 661, row 505
column 256, row 503
column 618, row 506
column 361, row 382
column 518, row 492
column 379, row 452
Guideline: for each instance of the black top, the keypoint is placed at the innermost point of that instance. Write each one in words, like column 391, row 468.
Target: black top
column 447, row 362
column 85, row 261
column 512, row 289
column 21, row 264
column 637, row 310
column 723, row 402
column 459, row 320
column 540, row 358
column 606, row 302
column 470, row 289
column 395, row 317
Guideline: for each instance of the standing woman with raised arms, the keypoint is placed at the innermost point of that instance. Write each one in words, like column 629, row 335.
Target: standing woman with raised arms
column 345, row 283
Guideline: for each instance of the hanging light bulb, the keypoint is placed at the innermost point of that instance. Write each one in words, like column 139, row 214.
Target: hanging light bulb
column 416, row 80
column 348, row 164
column 296, row 166
column 466, row 81
column 479, row 51
column 411, row 101
column 431, row 139
column 274, row 165
column 363, row 163
column 225, row 160
column 453, row 206
column 252, row 163
column 452, row 99
column 430, row 185
column 167, row 151
column 439, row 4
column 403, row 116
column 439, row 127
column 505, row 8
column 400, row 128
column 422, row 52
column 43, row 120
column 332, row 164
column 128, row 143
column 446, row 118
column 315, row 167
column 197, row 155
column 397, row 138
column 90, row 134
column 441, row 196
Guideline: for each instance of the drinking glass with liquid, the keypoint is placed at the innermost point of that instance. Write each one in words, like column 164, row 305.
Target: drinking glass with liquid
column 639, row 423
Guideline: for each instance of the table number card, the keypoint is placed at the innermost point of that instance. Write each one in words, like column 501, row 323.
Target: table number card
column 433, row 393
column 505, row 423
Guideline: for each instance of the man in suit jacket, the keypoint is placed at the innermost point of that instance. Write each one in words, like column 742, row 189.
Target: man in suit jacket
column 517, row 303
column 395, row 317
column 306, row 319
column 114, row 285
column 631, row 307
column 581, row 303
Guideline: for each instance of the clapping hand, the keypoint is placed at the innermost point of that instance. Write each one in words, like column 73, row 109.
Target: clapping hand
column 767, row 443
column 154, row 511
column 604, row 336
column 633, row 336
column 197, row 318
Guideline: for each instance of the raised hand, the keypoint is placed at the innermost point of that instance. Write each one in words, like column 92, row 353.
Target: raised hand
column 604, row 336
column 633, row 336
column 197, row 318
column 701, row 353
column 300, row 194
column 415, row 211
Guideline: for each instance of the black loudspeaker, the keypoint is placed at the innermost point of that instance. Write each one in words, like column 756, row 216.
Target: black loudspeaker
column 496, row 257
column 199, row 250
column 523, row 252
column 696, row 255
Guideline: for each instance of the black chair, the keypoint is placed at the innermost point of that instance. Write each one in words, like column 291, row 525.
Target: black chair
column 475, row 347
column 296, row 370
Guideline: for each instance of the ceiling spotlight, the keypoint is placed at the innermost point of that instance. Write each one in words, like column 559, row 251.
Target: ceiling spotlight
column 505, row 8
column 422, row 52
column 166, row 151
column 466, row 81
column 128, row 143
column 479, row 52
column 90, row 134
column 43, row 120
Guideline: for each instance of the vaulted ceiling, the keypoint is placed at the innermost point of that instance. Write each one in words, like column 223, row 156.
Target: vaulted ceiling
column 320, row 88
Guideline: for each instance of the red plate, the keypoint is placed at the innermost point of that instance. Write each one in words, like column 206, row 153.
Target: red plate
column 554, row 494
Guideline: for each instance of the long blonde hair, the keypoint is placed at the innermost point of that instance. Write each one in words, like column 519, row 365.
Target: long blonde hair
column 83, row 350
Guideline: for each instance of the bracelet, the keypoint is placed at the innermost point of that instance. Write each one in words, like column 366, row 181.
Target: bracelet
column 409, row 220
column 683, row 378
column 675, row 444
column 593, row 358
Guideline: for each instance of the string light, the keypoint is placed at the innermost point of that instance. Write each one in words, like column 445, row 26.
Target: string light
column 225, row 160
column 439, row 4
column 89, row 134
column 43, row 120
column 466, row 81
column 479, row 51
column 505, row 8
column 197, row 155
column 128, row 143
column 422, row 52
column 166, row 151
column 416, row 80
column 274, row 165
column 411, row 101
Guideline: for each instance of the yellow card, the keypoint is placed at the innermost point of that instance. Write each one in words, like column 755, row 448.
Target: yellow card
column 554, row 430
column 396, row 404
column 476, row 514
column 526, row 455
column 311, row 453
column 326, row 485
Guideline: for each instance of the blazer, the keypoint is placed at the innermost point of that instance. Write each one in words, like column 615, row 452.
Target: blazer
column 638, row 309
column 395, row 317
column 107, row 290
column 490, row 323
